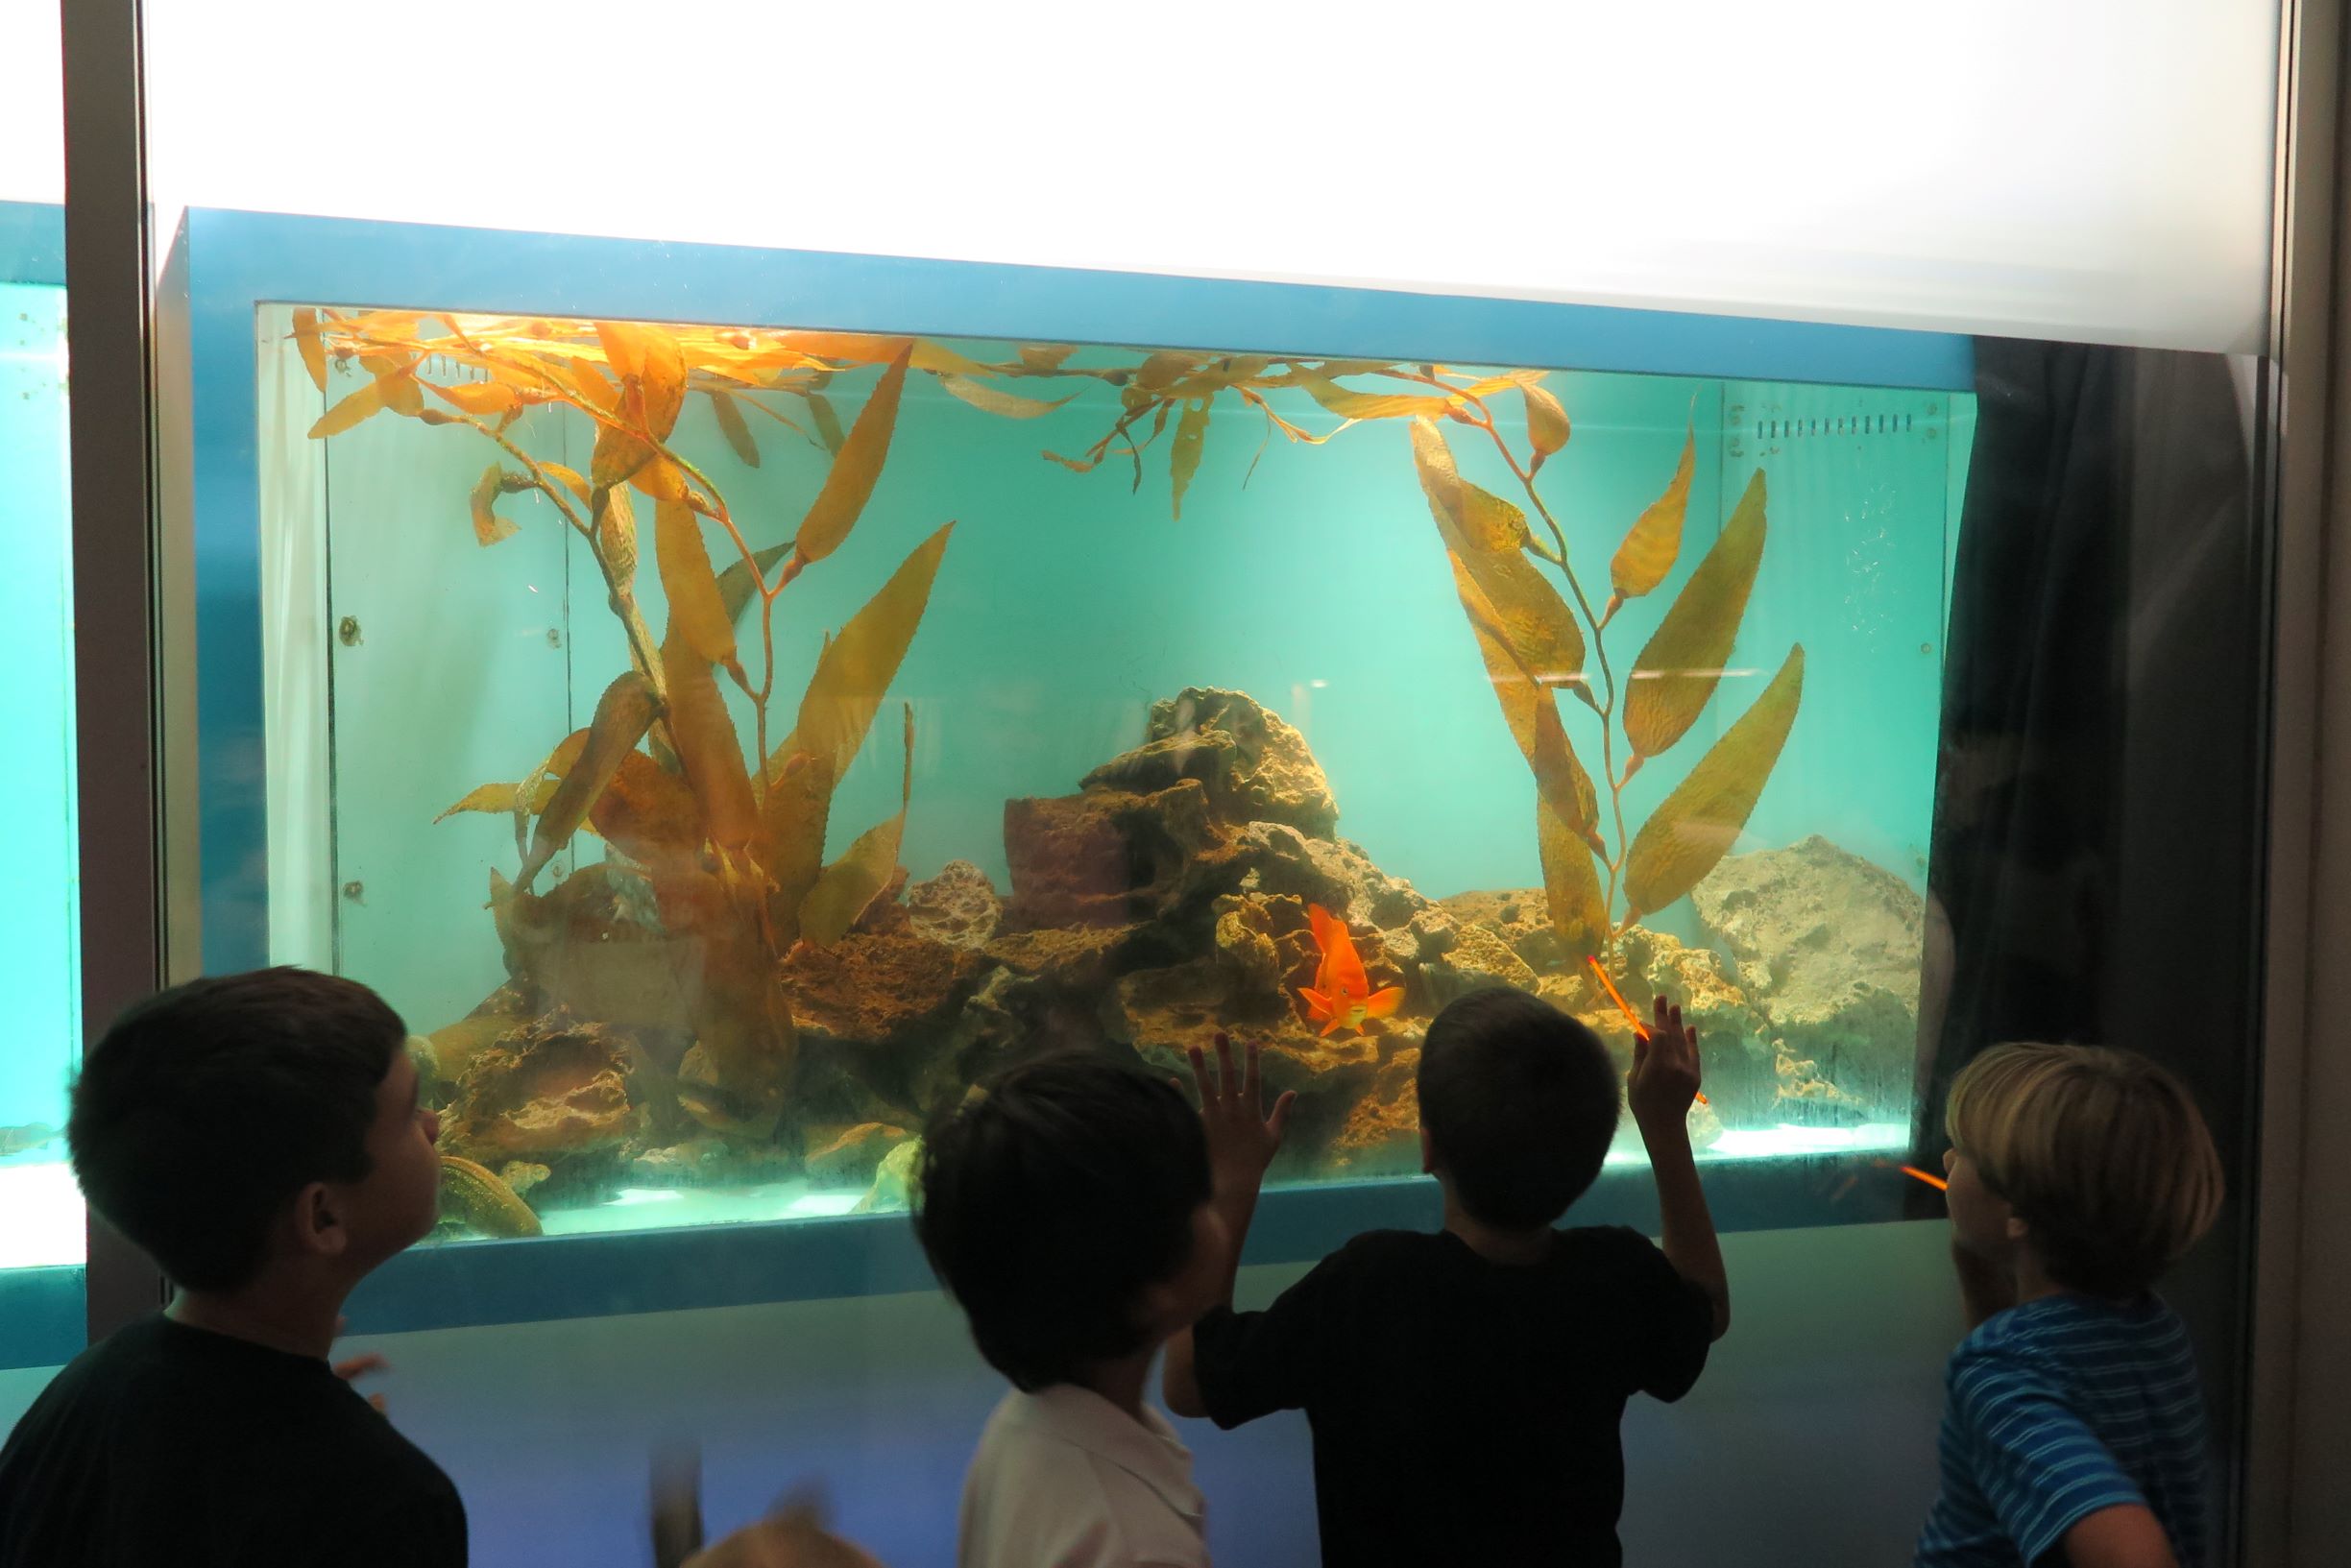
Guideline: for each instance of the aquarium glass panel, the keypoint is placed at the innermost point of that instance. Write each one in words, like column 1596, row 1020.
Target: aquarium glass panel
column 731, row 744
column 40, row 1210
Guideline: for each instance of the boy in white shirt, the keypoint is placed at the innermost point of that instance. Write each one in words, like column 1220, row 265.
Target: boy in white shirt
column 1066, row 1208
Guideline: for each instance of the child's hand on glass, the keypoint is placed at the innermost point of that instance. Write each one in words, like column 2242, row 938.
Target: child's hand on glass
column 1243, row 1138
column 1665, row 1078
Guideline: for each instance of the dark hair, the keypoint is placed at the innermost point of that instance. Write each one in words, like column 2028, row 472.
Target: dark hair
column 1050, row 1199
column 207, row 1106
column 1520, row 1102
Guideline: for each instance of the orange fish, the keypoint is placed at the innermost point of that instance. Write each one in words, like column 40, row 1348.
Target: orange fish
column 1935, row 1182
column 1342, row 992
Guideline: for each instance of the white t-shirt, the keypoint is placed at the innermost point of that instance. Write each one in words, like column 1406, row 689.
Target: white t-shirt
column 1064, row 1479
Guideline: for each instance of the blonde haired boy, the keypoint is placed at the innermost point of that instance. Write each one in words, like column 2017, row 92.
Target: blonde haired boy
column 2074, row 1432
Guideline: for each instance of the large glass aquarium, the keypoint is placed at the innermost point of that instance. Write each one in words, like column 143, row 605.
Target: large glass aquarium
column 38, row 917
column 726, row 742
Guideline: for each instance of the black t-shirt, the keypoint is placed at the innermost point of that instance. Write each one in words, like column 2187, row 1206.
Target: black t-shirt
column 1465, row 1414
column 166, row 1444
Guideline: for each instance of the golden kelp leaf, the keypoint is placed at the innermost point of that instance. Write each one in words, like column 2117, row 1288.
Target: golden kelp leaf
column 648, row 813
column 1371, row 405
column 1654, row 542
column 828, row 423
column 485, row 399
column 616, row 458
column 1532, row 713
column 615, row 528
column 854, row 348
column 937, row 359
column 1546, row 422
column 651, row 371
column 855, row 470
column 1483, row 532
column 306, row 342
column 472, row 1195
column 570, row 478
column 1191, row 437
column 1161, row 370
column 1696, row 825
column 864, row 869
column 989, row 399
column 707, row 747
column 1676, row 674
column 662, row 479
column 795, row 809
column 697, row 611
column 488, row 526
column 736, row 586
column 622, row 715
column 401, row 393
column 856, row 667
column 1044, row 358
column 357, row 406
column 500, row 799
column 732, row 426
column 1572, row 885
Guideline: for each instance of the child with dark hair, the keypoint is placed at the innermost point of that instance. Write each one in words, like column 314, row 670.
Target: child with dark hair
column 2074, row 1430
column 1466, row 1389
column 260, row 1136
column 1065, row 1207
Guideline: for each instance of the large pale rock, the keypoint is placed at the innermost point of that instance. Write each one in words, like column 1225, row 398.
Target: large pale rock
column 552, row 1090
column 1339, row 876
column 883, row 991
column 1254, row 766
column 1829, row 946
column 1519, row 917
column 1473, row 959
column 958, row 906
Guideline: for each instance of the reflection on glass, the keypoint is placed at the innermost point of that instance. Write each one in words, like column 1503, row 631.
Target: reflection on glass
column 744, row 740
column 41, row 1214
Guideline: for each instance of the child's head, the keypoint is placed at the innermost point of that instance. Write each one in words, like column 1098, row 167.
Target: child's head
column 2098, row 1160
column 1065, row 1207
column 247, row 1119
column 1519, row 1104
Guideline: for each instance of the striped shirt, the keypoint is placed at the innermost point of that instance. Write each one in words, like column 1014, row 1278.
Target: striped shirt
column 2058, row 1408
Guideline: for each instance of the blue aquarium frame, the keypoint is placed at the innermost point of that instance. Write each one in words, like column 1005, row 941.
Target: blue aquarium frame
column 41, row 1316
column 226, row 265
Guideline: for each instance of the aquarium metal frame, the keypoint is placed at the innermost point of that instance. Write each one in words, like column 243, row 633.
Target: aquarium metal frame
column 233, row 264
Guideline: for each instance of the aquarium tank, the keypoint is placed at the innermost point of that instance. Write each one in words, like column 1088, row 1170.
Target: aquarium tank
column 39, row 914
column 742, row 741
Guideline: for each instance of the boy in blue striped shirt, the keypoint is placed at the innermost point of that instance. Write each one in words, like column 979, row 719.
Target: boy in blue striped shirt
column 2073, row 1433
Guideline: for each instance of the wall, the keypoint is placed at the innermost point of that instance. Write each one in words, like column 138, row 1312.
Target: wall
column 1810, row 1441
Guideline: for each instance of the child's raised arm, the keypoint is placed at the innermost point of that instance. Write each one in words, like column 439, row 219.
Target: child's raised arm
column 1664, row 1082
column 1243, row 1140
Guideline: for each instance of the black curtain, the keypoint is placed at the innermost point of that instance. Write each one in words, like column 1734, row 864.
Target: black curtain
column 2095, row 870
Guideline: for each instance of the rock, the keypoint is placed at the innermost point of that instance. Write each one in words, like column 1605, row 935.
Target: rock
column 481, row 1201
column 959, row 907
column 701, row 1161
column 1254, row 766
column 1381, row 1135
column 1736, row 1053
column 1830, row 947
column 548, row 1092
column 1520, row 918
column 851, row 1157
column 895, row 1180
column 1475, row 958
column 523, row 1175
column 1109, row 858
column 883, row 990
column 1337, row 874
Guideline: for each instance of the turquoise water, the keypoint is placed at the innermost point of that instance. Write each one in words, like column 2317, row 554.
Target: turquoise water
column 1308, row 576
column 38, row 918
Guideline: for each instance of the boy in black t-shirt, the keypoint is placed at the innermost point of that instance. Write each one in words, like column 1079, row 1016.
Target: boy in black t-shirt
column 260, row 1136
column 1466, row 1389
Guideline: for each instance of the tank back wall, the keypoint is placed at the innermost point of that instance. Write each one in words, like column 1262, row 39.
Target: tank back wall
column 1809, row 1440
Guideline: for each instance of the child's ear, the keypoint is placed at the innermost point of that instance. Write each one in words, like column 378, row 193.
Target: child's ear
column 318, row 1222
column 2018, row 1232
